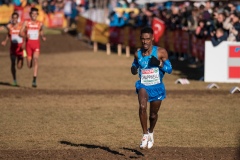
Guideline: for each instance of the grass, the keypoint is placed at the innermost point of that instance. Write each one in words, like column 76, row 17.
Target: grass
column 89, row 98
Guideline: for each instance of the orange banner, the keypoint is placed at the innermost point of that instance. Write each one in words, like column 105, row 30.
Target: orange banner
column 5, row 13
column 81, row 24
column 55, row 20
column 100, row 33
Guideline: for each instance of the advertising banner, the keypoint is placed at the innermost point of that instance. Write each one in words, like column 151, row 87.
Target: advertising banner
column 222, row 63
column 100, row 33
column 5, row 13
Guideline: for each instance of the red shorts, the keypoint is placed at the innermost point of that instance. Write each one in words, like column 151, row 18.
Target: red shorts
column 16, row 49
column 32, row 47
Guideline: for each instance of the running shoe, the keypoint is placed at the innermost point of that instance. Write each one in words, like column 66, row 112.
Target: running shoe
column 150, row 140
column 144, row 141
column 14, row 83
column 34, row 84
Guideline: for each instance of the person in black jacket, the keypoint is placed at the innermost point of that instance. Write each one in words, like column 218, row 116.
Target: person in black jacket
column 218, row 37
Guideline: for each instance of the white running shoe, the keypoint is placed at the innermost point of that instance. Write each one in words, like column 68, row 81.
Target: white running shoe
column 150, row 140
column 144, row 141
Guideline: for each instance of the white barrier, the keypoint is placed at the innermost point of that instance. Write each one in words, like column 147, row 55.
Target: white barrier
column 222, row 63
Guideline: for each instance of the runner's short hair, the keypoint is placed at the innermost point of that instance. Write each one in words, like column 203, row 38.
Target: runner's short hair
column 147, row 30
column 33, row 9
column 15, row 13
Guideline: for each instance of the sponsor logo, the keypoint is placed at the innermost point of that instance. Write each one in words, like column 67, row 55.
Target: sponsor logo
column 234, row 51
column 237, row 49
column 147, row 71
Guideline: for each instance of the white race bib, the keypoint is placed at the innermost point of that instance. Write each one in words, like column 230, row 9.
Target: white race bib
column 16, row 38
column 150, row 76
column 33, row 34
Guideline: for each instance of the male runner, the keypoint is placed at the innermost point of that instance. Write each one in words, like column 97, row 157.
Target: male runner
column 152, row 63
column 31, row 30
column 17, row 45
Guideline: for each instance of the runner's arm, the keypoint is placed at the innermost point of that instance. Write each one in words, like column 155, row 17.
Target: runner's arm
column 4, row 42
column 135, row 65
column 42, row 33
column 165, row 64
column 23, row 30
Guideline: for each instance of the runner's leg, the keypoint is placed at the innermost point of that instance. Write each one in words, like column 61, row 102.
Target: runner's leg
column 35, row 68
column 13, row 69
column 153, row 116
column 143, row 99
column 19, row 62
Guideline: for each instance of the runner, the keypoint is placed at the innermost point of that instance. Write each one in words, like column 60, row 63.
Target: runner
column 31, row 30
column 16, row 47
column 152, row 62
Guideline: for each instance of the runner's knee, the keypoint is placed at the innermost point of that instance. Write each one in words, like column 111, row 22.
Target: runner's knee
column 153, row 116
column 142, row 108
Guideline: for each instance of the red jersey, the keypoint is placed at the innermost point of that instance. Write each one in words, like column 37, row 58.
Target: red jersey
column 33, row 29
column 16, row 40
column 32, row 41
column 14, row 33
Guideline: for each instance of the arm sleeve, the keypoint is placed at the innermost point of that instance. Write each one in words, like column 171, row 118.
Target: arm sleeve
column 167, row 67
column 135, row 63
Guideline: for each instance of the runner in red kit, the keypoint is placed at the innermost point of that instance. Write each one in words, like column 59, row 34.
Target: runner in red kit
column 32, row 29
column 17, row 45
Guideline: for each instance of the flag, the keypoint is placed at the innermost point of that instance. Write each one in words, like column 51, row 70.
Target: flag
column 234, row 61
column 158, row 27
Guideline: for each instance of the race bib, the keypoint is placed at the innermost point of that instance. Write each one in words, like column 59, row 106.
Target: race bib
column 16, row 38
column 33, row 34
column 150, row 76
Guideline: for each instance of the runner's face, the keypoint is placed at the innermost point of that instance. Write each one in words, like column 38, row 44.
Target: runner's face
column 146, row 39
column 14, row 19
column 34, row 15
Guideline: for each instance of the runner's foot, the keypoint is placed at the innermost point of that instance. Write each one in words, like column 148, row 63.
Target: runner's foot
column 144, row 141
column 150, row 140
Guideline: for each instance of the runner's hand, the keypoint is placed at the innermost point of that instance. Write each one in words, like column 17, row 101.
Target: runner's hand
column 3, row 43
column 154, row 61
column 23, row 47
column 44, row 38
column 134, row 70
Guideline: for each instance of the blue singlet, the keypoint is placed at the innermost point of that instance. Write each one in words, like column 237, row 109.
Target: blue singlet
column 150, row 77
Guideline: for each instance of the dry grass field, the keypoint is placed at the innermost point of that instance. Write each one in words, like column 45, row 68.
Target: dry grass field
column 85, row 107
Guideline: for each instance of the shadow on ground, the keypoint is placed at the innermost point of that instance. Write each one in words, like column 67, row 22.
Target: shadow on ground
column 91, row 146
column 114, row 152
column 8, row 84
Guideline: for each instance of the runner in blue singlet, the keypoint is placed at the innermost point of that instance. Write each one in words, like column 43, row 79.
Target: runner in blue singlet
column 151, row 62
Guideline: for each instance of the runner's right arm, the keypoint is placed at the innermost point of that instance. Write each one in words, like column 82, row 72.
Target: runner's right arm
column 4, row 42
column 135, row 65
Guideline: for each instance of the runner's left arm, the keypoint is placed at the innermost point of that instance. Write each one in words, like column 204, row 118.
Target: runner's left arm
column 23, row 30
column 165, row 64
column 42, row 33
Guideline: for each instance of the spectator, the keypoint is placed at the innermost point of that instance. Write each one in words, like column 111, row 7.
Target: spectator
column 218, row 37
column 220, row 19
column 118, row 19
column 175, row 18
column 201, row 30
column 192, row 21
column 235, row 27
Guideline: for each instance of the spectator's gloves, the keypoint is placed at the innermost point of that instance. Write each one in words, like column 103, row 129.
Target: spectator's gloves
column 154, row 61
column 134, row 70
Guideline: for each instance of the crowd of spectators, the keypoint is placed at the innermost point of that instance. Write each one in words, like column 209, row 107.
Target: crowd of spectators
column 217, row 20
